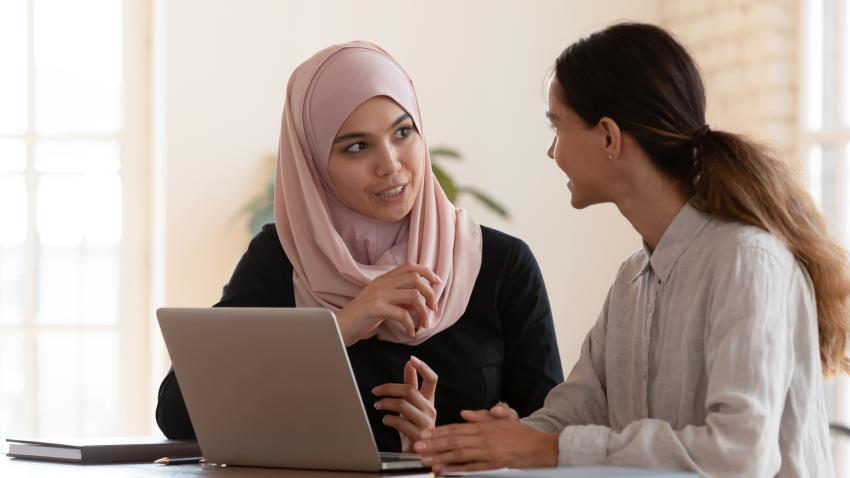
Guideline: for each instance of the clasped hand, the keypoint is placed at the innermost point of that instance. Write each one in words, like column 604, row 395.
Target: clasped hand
column 491, row 439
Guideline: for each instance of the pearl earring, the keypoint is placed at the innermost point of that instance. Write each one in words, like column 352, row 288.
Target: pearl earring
column 610, row 156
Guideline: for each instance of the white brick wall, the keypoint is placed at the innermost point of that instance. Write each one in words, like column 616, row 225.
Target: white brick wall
column 747, row 51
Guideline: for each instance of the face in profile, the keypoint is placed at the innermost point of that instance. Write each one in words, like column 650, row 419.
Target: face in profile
column 579, row 150
column 377, row 159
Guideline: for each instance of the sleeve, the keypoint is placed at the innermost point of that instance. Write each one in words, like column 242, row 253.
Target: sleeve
column 262, row 265
column 582, row 398
column 532, row 363
column 748, row 358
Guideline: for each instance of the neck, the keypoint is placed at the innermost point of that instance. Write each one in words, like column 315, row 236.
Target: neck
column 651, row 206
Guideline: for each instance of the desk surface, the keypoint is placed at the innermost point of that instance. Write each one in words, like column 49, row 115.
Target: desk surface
column 14, row 467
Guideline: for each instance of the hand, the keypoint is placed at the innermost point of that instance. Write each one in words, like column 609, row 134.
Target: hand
column 415, row 406
column 493, row 439
column 498, row 411
column 392, row 296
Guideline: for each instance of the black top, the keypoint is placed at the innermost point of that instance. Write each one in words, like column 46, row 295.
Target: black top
column 502, row 349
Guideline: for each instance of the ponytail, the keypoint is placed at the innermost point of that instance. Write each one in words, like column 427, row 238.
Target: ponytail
column 738, row 180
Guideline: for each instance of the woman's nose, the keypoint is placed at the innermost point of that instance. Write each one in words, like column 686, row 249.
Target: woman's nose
column 551, row 150
column 389, row 162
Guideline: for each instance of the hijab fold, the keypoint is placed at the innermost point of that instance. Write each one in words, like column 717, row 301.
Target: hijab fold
column 335, row 251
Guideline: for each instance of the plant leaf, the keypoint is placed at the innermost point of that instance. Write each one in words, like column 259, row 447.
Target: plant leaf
column 444, row 152
column 491, row 203
column 445, row 181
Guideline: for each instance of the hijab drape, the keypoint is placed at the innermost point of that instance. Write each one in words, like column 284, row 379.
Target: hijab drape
column 335, row 251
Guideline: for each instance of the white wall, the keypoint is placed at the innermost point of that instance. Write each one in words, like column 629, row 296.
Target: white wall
column 479, row 67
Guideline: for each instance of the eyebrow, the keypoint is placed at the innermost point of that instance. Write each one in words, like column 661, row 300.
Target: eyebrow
column 360, row 134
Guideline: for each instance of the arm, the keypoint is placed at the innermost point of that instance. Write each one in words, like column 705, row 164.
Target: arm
column 748, row 359
column 264, row 263
column 582, row 398
column 532, row 365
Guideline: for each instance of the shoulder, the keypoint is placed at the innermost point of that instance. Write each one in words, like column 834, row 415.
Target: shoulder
column 265, row 250
column 733, row 243
column 499, row 246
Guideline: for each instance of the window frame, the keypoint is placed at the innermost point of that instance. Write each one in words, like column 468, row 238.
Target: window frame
column 837, row 388
column 133, row 325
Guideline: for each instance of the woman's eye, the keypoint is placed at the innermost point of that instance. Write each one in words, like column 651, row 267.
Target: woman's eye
column 403, row 132
column 356, row 147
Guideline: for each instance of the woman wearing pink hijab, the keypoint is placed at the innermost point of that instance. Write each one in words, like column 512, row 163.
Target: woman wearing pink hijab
column 418, row 287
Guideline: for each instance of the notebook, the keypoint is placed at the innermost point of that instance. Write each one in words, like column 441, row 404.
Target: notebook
column 102, row 450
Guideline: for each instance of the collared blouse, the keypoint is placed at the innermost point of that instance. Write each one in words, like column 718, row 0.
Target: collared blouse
column 705, row 358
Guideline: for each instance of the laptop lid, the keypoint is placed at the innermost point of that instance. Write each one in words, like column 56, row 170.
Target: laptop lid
column 269, row 387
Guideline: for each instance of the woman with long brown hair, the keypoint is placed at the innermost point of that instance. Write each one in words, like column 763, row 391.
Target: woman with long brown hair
column 711, row 348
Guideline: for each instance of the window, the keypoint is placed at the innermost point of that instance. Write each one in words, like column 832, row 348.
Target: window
column 825, row 143
column 71, row 172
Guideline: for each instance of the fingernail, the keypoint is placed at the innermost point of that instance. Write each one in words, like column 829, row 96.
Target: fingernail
column 375, row 390
column 414, row 359
column 378, row 405
column 425, row 434
column 420, row 445
column 426, row 460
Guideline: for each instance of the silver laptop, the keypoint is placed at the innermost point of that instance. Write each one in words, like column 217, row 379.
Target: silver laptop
column 272, row 387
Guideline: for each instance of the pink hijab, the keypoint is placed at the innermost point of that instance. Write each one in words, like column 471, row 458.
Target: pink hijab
column 335, row 251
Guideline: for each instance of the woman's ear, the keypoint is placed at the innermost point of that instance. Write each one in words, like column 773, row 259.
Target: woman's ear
column 612, row 139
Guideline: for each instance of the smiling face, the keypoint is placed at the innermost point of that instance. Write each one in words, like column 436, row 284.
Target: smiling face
column 581, row 151
column 376, row 160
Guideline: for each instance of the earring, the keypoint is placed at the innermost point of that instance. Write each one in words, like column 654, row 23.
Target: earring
column 610, row 156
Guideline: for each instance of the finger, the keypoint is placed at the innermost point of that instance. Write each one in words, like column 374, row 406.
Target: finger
column 413, row 280
column 409, row 298
column 453, row 429
column 410, row 377
column 404, row 426
column 398, row 314
column 477, row 416
column 406, row 392
column 429, row 377
column 407, row 267
column 406, row 410
column 423, row 313
column 442, row 445
column 457, row 457
column 425, row 272
column 503, row 410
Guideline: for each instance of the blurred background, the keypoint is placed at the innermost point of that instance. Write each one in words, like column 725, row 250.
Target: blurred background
column 133, row 133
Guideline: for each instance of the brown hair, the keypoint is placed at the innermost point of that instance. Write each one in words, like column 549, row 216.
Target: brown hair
column 639, row 76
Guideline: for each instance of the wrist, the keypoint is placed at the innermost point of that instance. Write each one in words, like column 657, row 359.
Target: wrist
column 549, row 449
column 348, row 338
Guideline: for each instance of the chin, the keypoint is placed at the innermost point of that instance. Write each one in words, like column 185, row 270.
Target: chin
column 578, row 202
column 391, row 214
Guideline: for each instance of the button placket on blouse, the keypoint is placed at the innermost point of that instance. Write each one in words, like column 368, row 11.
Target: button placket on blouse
column 647, row 337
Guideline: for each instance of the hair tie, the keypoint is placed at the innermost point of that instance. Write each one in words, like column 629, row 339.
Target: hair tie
column 699, row 135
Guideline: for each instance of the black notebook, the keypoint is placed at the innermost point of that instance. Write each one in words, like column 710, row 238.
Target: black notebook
column 102, row 450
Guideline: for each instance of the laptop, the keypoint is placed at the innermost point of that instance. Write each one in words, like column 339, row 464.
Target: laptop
column 272, row 387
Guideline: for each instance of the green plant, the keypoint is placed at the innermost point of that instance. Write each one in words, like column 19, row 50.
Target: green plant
column 261, row 208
